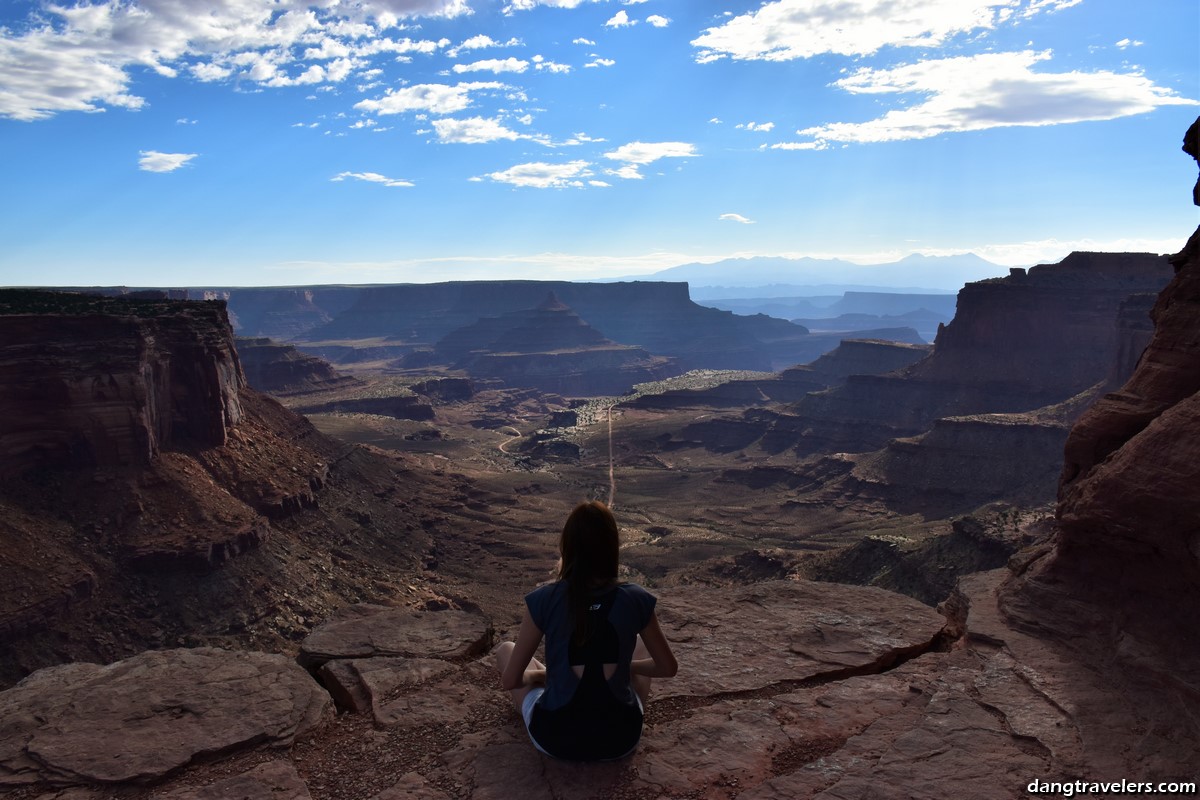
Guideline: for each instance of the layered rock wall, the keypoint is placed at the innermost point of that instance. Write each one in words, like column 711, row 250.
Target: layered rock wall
column 281, row 368
column 104, row 382
column 657, row 316
column 1019, row 343
column 1129, row 511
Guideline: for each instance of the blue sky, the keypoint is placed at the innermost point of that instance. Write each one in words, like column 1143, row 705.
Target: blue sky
column 276, row 142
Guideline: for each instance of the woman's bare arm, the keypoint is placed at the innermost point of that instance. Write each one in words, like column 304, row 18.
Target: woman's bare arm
column 528, row 638
column 661, row 663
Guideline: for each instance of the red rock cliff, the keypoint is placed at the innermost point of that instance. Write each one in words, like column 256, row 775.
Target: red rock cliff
column 1129, row 510
column 97, row 381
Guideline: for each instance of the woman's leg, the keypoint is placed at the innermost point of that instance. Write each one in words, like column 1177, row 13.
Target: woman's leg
column 503, row 653
column 641, row 683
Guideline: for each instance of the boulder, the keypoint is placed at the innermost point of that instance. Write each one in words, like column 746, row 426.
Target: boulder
column 143, row 718
column 368, row 631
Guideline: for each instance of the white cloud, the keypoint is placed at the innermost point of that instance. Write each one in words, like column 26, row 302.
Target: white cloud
column 992, row 90
column 620, row 20
column 472, row 130
column 525, row 5
column 600, row 62
column 649, row 152
column 658, row 21
column 582, row 40
column 496, row 65
column 755, row 126
column 81, row 57
column 478, row 42
column 552, row 66
column 818, row 145
column 1050, row 6
column 736, row 218
column 628, row 172
column 1124, row 43
column 371, row 177
column 154, row 161
column 438, row 98
column 541, row 175
column 787, row 29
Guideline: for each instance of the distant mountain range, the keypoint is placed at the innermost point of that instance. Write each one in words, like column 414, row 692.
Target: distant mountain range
column 811, row 276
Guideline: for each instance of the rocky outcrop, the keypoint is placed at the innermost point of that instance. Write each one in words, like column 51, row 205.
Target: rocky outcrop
column 397, row 404
column 1016, row 344
column 281, row 313
column 964, row 462
column 445, row 389
column 1128, row 508
column 850, row 357
column 105, row 382
column 549, row 348
column 144, row 718
column 282, row 369
column 658, row 317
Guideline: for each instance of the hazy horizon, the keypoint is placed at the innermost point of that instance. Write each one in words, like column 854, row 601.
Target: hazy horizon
column 411, row 141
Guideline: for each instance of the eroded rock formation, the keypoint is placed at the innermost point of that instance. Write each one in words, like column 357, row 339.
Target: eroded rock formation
column 142, row 477
column 104, row 382
column 1128, row 509
column 1016, row 344
column 282, row 369
column 549, row 348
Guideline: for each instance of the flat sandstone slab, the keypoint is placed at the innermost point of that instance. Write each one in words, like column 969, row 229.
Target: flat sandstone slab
column 748, row 637
column 144, row 717
column 370, row 631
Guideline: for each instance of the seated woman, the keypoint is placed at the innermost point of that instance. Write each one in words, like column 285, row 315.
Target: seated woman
column 603, row 645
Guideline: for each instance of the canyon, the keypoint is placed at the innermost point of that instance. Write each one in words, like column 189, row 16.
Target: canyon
column 888, row 569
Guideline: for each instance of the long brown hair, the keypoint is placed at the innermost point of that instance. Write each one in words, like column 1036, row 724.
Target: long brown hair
column 590, row 549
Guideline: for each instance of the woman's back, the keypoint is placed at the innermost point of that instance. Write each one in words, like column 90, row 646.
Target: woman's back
column 603, row 646
column 590, row 709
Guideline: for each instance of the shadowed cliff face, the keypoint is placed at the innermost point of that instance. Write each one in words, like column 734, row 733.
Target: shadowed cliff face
column 281, row 368
column 1129, row 510
column 1016, row 344
column 106, row 382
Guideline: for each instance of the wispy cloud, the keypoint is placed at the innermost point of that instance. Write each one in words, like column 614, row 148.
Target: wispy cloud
column 658, row 21
column 479, row 42
column 649, row 152
column 472, row 130
column 154, row 161
column 495, row 65
column 736, row 218
column 788, row 29
column 371, row 177
column 540, row 175
column 525, row 5
column 638, row 154
column 81, row 57
column 755, row 126
column 438, row 98
column 991, row 90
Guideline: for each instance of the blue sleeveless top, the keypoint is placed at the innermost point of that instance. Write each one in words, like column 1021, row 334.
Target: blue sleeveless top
column 588, row 717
